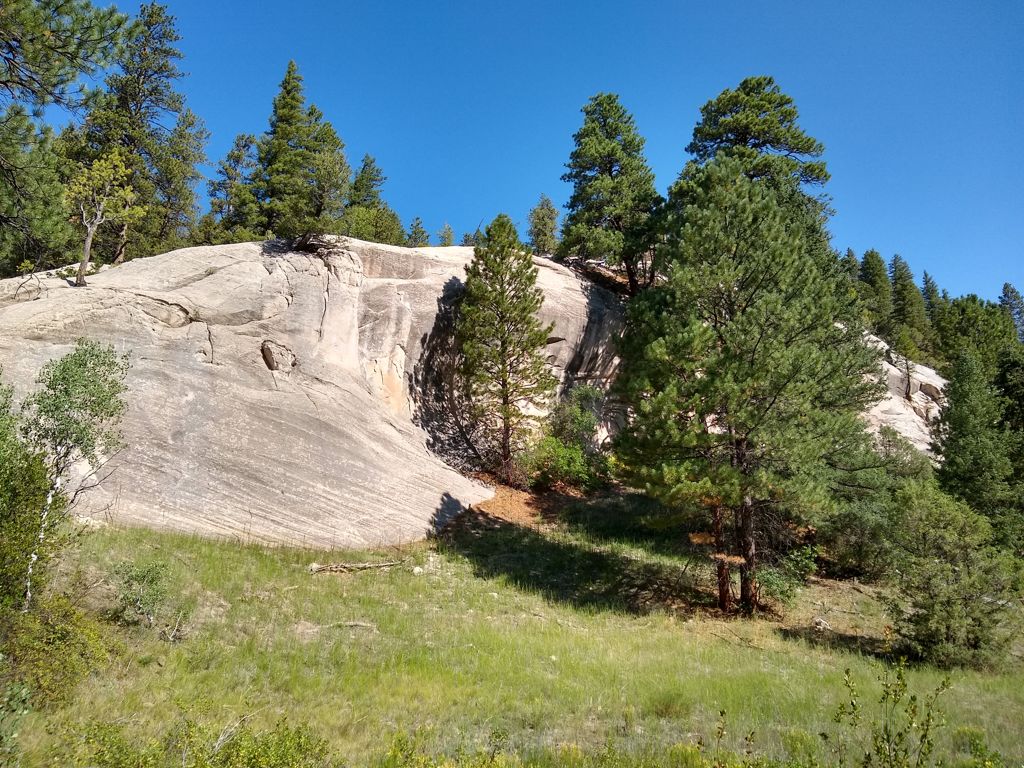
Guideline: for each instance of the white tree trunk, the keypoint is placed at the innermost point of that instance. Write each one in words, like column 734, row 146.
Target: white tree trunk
column 43, row 520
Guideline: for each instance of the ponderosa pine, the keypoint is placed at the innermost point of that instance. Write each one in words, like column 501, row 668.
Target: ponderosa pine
column 502, row 342
column 544, row 227
column 741, row 382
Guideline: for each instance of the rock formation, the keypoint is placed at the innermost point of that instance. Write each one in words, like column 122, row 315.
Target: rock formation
column 296, row 395
column 270, row 386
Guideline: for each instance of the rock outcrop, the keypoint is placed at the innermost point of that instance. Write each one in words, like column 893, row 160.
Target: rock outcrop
column 911, row 402
column 272, row 393
column 295, row 395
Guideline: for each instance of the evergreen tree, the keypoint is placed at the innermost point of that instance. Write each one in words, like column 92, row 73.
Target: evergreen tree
column 366, row 185
column 974, row 447
column 757, row 124
column 329, row 174
column 741, row 380
column 471, row 238
column 850, row 265
column 377, row 224
column 285, row 158
column 502, row 342
column 909, row 314
column 34, row 222
column 418, row 235
column 544, row 227
column 613, row 197
column 446, row 236
column 875, row 291
column 141, row 116
column 232, row 193
column 970, row 324
column 1013, row 303
column 932, row 297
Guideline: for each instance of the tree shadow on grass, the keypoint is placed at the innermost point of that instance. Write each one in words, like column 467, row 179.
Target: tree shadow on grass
column 634, row 519
column 830, row 640
column 567, row 571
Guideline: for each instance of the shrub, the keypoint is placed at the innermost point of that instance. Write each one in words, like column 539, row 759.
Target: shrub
column 13, row 708
column 141, row 590
column 551, row 462
column 50, row 649
column 568, row 454
column 956, row 592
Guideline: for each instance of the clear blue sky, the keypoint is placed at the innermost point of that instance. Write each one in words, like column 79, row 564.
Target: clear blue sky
column 470, row 106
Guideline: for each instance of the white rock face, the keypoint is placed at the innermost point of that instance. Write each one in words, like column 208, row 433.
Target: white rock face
column 270, row 387
column 909, row 407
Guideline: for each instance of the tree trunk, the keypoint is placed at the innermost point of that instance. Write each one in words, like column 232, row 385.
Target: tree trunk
column 122, row 245
column 634, row 284
column 34, row 557
column 724, row 580
column 748, row 571
column 86, row 255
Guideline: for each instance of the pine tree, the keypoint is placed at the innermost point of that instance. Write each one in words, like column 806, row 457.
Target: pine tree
column 544, row 227
column 757, row 124
column 909, row 315
column 932, row 297
column 502, row 342
column 470, row 238
column 974, row 447
column 34, row 222
column 377, row 224
column 285, row 159
column 613, row 197
column 741, row 381
column 418, row 235
column 232, row 193
column 446, row 236
column 329, row 174
column 850, row 265
column 1013, row 303
column 875, row 290
column 366, row 185
column 971, row 324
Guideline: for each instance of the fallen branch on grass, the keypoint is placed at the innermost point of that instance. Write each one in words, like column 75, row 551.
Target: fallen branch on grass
column 351, row 567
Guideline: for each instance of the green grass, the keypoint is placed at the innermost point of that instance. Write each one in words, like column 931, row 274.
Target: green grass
column 590, row 633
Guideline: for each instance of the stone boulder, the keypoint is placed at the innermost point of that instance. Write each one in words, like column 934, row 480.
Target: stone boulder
column 273, row 389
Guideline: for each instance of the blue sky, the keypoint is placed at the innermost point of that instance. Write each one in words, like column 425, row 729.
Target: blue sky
column 469, row 107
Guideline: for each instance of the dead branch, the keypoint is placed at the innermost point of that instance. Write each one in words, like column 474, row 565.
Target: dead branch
column 351, row 567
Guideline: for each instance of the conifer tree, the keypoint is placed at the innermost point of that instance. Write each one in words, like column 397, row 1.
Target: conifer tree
column 613, row 197
column 741, row 381
column 446, row 236
column 974, row 447
column 757, row 124
column 285, row 159
column 971, row 324
column 909, row 315
column 366, row 185
column 875, row 290
column 1013, row 303
column 850, row 265
column 932, row 297
column 378, row 224
column 142, row 116
column 544, row 227
column 329, row 174
column 502, row 342
column 418, row 235
column 232, row 193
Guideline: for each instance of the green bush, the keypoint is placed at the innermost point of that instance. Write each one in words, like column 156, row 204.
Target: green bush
column 956, row 603
column 141, row 591
column 13, row 708
column 50, row 649
column 190, row 745
column 568, row 454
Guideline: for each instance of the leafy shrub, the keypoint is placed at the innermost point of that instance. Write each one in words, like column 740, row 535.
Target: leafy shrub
column 956, row 592
column 190, row 745
column 141, row 590
column 50, row 649
column 13, row 707
column 568, row 454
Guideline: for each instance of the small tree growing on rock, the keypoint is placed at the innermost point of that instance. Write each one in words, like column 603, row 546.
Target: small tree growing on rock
column 100, row 194
column 502, row 341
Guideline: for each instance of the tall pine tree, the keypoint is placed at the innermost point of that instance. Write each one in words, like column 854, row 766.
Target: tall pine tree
column 502, row 342
column 742, row 382
column 909, row 315
column 544, row 227
column 613, row 196
column 1013, row 303
column 875, row 290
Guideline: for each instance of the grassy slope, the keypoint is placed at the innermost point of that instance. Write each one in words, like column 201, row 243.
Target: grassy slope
column 577, row 633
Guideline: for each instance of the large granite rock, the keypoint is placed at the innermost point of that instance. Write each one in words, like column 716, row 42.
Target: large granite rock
column 270, row 388
column 297, row 395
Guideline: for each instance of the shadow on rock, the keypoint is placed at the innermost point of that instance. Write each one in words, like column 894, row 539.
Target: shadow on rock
column 567, row 571
column 438, row 397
